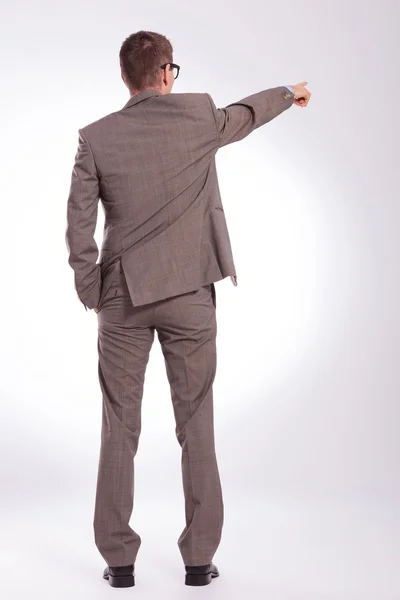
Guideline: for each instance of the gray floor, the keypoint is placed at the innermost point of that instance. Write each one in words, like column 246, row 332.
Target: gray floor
column 272, row 548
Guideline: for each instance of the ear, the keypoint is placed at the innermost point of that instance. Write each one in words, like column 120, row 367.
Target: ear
column 164, row 76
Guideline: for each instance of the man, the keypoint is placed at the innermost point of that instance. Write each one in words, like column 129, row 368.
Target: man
column 165, row 244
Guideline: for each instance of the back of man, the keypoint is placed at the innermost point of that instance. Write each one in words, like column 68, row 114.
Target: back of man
column 165, row 243
column 159, row 189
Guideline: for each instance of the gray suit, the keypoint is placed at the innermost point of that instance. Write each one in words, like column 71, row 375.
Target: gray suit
column 165, row 243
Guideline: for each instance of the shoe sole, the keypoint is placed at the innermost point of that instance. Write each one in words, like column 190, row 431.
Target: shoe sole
column 203, row 579
column 120, row 582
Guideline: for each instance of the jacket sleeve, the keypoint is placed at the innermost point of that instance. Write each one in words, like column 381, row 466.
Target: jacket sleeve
column 82, row 208
column 239, row 119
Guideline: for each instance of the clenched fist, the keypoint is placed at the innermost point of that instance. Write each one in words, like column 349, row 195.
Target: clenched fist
column 301, row 94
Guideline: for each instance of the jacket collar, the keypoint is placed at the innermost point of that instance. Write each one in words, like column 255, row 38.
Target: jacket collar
column 141, row 96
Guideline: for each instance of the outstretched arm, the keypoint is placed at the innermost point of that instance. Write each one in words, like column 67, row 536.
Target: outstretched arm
column 237, row 120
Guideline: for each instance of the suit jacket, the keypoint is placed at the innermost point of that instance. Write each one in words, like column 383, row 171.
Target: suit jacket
column 152, row 165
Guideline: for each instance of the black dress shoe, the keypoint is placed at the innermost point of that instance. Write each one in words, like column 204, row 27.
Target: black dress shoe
column 200, row 575
column 120, row 576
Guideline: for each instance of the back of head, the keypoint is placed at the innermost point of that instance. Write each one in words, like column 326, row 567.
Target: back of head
column 141, row 56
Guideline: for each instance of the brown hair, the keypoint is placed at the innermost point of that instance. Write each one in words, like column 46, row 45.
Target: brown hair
column 141, row 56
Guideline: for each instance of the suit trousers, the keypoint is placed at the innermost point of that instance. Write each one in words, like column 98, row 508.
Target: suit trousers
column 186, row 329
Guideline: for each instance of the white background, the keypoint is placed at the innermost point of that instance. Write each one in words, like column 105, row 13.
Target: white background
column 307, row 390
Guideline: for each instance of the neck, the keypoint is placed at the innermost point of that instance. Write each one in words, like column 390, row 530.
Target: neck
column 135, row 92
